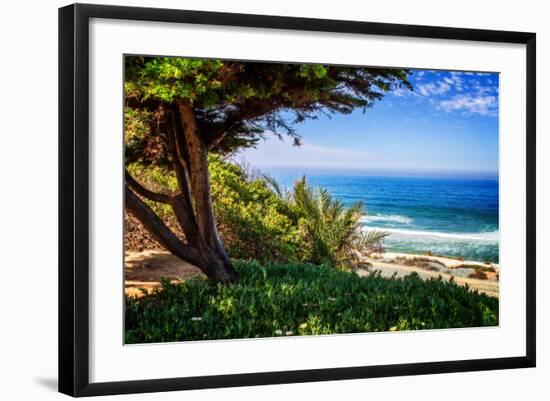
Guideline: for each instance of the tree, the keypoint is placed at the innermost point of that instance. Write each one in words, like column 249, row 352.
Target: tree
column 178, row 110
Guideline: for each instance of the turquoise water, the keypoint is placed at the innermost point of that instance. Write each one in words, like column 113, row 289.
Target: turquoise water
column 452, row 217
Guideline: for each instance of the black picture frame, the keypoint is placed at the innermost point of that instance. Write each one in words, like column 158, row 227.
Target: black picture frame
column 74, row 198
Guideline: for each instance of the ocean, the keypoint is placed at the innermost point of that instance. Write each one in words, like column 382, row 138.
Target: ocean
column 446, row 216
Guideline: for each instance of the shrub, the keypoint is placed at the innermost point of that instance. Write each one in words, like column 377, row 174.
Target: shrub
column 298, row 299
column 333, row 231
column 258, row 220
column 254, row 222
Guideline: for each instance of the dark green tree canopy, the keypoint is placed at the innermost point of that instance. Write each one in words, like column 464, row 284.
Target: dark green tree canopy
column 235, row 102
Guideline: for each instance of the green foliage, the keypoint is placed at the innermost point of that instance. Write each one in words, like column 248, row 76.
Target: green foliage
column 253, row 221
column 167, row 78
column 333, row 231
column 248, row 99
column 159, row 179
column 209, row 83
column 279, row 300
column 136, row 131
column 141, row 140
column 259, row 220
column 136, row 125
column 276, row 225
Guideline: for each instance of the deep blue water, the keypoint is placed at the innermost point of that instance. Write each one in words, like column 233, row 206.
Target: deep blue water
column 452, row 217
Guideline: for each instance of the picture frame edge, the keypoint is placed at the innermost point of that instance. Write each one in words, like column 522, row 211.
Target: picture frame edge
column 73, row 207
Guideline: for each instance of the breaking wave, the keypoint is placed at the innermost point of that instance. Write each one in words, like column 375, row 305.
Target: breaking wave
column 383, row 217
column 492, row 236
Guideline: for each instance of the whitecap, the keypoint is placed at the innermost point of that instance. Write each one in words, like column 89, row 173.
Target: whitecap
column 383, row 217
column 491, row 236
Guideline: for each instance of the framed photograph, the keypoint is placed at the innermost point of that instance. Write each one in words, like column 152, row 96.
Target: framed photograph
column 251, row 199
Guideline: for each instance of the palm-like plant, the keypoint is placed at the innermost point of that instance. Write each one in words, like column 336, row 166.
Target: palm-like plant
column 333, row 231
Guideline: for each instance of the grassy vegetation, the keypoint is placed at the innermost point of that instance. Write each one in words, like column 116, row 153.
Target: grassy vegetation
column 300, row 299
column 259, row 220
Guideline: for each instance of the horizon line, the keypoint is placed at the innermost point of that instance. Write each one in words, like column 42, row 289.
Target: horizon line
column 381, row 172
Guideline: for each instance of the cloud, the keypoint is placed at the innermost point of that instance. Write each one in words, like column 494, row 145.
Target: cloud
column 401, row 92
column 471, row 104
column 434, row 88
column 484, row 88
column 456, row 79
column 469, row 93
column 274, row 153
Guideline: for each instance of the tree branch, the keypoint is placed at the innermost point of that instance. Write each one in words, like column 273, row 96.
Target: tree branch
column 249, row 111
column 246, row 111
column 141, row 190
column 156, row 227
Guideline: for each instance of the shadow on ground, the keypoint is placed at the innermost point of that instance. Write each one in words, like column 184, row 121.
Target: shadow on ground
column 146, row 269
column 49, row 383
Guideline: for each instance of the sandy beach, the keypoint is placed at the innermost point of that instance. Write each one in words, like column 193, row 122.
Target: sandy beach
column 144, row 270
column 480, row 276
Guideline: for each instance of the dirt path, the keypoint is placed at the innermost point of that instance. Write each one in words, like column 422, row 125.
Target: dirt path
column 145, row 270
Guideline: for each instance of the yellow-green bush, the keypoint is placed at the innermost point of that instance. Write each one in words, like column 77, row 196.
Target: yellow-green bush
column 257, row 220
column 253, row 221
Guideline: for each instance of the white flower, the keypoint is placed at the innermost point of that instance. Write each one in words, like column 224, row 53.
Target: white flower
column 196, row 318
column 289, row 333
column 279, row 332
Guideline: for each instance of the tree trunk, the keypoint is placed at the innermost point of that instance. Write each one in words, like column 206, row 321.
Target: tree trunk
column 197, row 153
column 200, row 182
column 192, row 206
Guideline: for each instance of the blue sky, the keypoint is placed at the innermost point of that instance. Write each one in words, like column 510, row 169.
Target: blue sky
column 447, row 126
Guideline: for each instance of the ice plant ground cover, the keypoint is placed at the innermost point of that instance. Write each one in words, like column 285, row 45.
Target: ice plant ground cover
column 300, row 299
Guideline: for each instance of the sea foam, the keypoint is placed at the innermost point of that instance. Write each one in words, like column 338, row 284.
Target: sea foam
column 383, row 217
column 492, row 236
